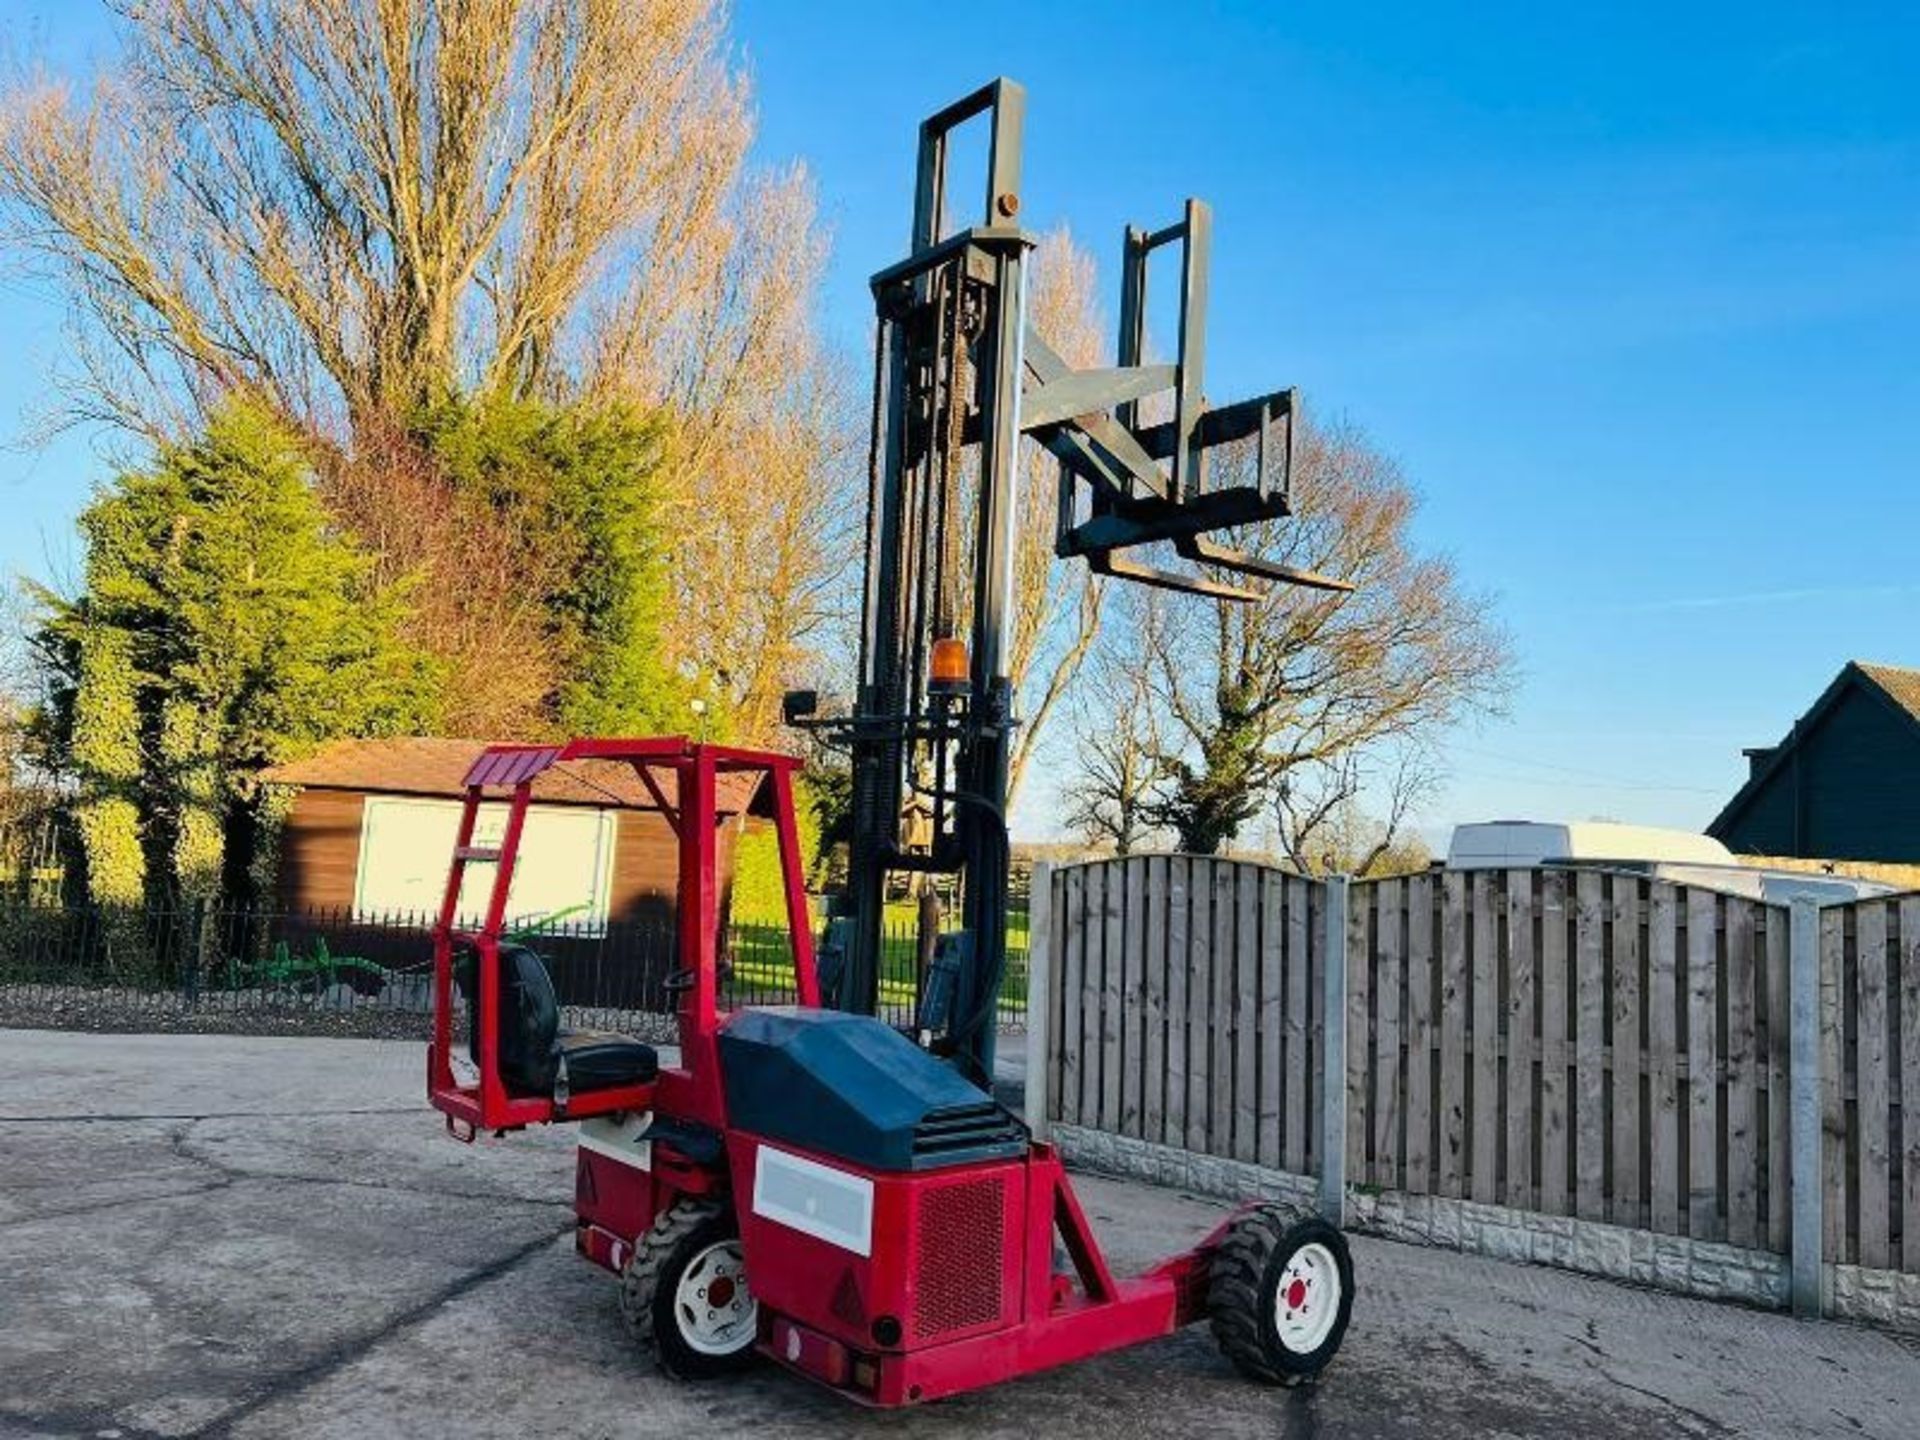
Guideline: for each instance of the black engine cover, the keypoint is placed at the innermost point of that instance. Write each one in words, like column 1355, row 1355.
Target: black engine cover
column 851, row 1087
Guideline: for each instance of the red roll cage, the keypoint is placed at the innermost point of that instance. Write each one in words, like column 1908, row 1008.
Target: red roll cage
column 691, row 1088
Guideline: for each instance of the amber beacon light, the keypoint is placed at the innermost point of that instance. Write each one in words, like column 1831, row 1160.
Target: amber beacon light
column 947, row 666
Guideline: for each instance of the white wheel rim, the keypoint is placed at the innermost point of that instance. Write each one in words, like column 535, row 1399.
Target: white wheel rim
column 715, row 1312
column 1307, row 1299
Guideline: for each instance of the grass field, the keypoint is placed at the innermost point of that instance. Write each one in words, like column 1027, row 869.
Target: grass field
column 763, row 962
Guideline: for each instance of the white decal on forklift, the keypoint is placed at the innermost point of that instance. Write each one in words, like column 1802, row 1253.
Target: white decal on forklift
column 814, row 1199
column 616, row 1138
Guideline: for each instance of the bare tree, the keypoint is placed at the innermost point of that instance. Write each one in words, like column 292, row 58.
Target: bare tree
column 1302, row 682
column 1324, row 822
column 13, row 734
column 763, row 537
column 16, row 687
column 1118, row 743
column 1057, row 603
column 361, row 202
column 365, row 205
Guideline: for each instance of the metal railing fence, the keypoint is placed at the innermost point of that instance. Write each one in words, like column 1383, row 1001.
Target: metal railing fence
column 243, row 959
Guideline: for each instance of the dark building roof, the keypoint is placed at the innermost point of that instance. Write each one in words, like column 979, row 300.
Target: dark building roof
column 1901, row 686
column 419, row 765
column 1890, row 694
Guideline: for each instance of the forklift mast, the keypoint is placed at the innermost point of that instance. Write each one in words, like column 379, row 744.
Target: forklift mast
column 960, row 380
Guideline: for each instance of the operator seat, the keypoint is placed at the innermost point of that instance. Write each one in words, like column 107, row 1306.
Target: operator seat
column 531, row 1045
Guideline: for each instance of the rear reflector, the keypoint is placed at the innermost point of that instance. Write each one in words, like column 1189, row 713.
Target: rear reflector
column 810, row 1351
column 603, row 1247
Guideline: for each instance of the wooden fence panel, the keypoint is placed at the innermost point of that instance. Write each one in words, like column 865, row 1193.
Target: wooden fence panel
column 1112, row 918
column 1453, row 1032
column 1359, row 1031
column 1779, row 1052
column 1272, row 984
column 1908, row 919
column 1094, row 1011
column 1062, row 1051
column 1246, row 1012
column 1173, row 978
column 1589, row 1096
column 1179, row 989
column 1153, row 1002
column 1743, row 1093
column 1222, row 1032
column 1870, row 1081
column 1302, row 1006
column 1523, row 1019
column 1663, row 1050
column 1421, row 1034
column 1199, row 1001
column 1315, row 949
column 1624, row 1205
column 1484, row 1107
column 1221, row 1036
column 1073, row 1052
column 1833, row 1081
column 1873, row 1089
column 1553, row 1043
column 1132, row 991
column 1703, row 1089
column 1390, row 977
column 1572, row 1042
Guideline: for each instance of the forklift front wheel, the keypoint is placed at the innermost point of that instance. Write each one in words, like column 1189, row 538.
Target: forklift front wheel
column 1280, row 1293
column 684, row 1293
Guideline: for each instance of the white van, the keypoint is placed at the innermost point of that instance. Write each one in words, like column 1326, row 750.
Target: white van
column 1679, row 856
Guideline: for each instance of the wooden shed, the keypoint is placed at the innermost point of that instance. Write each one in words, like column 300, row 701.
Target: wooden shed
column 372, row 822
column 1844, row 783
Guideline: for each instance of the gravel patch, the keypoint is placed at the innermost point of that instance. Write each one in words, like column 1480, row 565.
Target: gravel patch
column 119, row 1011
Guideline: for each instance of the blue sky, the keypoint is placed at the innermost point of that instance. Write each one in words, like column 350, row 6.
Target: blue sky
column 1632, row 295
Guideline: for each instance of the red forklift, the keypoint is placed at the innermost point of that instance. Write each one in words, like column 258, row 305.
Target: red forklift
column 809, row 1185
column 804, row 1182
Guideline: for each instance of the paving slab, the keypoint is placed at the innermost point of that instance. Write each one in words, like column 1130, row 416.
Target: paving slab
column 234, row 1236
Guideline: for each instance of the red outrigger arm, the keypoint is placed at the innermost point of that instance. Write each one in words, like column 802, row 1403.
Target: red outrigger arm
column 681, row 778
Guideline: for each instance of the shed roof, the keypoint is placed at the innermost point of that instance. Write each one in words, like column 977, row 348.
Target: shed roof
column 421, row 765
column 1901, row 685
column 1894, row 685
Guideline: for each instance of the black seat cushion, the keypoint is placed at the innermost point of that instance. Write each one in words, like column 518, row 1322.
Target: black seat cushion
column 531, row 1042
column 597, row 1060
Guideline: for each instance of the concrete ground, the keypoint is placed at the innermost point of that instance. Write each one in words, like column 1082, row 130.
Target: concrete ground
column 214, row 1236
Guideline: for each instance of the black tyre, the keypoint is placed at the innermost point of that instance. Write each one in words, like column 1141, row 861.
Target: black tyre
column 684, row 1293
column 1280, row 1293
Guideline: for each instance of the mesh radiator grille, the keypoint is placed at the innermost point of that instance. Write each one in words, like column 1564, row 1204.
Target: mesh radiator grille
column 956, row 1281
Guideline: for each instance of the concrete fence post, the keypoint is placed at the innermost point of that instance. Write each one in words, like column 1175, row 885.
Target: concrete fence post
column 1039, row 997
column 1333, row 1055
column 1807, row 1138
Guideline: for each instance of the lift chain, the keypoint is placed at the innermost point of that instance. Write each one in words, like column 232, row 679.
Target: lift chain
column 965, row 325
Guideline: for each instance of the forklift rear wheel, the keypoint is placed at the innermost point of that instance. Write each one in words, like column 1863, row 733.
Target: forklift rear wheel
column 684, row 1294
column 1280, row 1293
